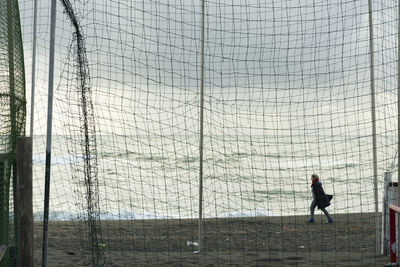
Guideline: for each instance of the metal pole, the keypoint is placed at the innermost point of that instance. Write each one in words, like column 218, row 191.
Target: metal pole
column 392, row 225
column 49, row 128
column 33, row 65
column 373, row 115
column 11, row 70
column 398, row 110
column 13, row 121
column 201, row 126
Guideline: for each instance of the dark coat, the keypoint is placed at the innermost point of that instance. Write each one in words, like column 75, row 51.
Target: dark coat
column 321, row 199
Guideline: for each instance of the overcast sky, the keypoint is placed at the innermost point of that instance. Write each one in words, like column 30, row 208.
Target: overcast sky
column 261, row 57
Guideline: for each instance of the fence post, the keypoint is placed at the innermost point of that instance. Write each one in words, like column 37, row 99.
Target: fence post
column 24, row 201
column 392, row 225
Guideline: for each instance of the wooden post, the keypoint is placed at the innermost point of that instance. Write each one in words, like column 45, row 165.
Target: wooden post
column 24, row 201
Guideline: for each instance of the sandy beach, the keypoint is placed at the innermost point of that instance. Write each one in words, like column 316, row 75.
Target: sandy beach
column 257, row 241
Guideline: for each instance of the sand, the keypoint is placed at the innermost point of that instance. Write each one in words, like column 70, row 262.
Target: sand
column 260, row 241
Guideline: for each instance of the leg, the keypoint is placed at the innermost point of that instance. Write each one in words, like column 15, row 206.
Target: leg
column 312, row 208
column 327, row 215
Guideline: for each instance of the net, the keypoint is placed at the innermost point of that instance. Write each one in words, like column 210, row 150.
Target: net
column 12, row 116
column 287, row 93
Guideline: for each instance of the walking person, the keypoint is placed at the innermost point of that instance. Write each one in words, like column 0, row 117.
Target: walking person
column 320, row 199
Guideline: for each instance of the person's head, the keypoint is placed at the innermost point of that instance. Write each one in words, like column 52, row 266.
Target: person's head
column 314, row 177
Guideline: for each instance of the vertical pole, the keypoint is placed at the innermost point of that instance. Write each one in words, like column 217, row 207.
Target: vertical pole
column 10, row 26
column 386, row 201
column 49, row 131
column 33, row 66
column 392, row 225
column 11, row 76
column 398, row 108
column 201, row 125
column 3, row 229
column 24, row 200
column 373, row 116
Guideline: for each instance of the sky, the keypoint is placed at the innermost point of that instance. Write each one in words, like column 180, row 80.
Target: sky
column 276, row 62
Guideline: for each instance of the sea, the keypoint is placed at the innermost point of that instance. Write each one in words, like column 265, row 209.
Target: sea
column 150, row 177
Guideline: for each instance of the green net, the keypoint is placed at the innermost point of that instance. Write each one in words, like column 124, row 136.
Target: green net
column 12, row 118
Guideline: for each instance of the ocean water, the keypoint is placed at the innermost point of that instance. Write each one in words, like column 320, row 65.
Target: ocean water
column 141, row 177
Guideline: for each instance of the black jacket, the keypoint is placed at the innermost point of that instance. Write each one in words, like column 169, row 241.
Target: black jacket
column 321, row 199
